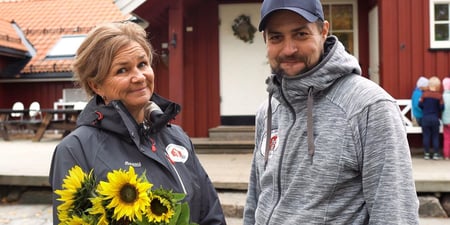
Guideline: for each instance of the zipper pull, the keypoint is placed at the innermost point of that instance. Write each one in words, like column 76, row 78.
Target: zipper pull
column 153, row 145
column 170, row 160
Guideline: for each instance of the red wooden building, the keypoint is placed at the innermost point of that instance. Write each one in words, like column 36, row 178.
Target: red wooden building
column 396, row 41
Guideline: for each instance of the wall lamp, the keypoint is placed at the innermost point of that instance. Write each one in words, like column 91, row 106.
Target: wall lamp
column 165, row 53
column 173, row 42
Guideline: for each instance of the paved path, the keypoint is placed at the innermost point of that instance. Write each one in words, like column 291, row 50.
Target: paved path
column 42, row 215
column 23, row 162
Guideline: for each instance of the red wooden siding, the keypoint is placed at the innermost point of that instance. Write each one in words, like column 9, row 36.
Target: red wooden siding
column 201, row 70
column 46, row 93
column 158, row 35
column 404, row 47
column 176, row 49
column 363, row 36
column 205, row 55
column 192, row 81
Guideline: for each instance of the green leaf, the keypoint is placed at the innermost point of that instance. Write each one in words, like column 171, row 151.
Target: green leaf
column 175, row 217
column 138, row 222
column 184, row 215
column 178, row 196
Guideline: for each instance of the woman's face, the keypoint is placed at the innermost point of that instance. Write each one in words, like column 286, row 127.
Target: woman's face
column 130, row 79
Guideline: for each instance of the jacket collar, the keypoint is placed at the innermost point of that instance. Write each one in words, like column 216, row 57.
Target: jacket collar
column 116, row 119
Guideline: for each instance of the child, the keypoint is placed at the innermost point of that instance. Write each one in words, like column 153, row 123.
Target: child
column 421, row 86
column 446, row 117
column 432, row 105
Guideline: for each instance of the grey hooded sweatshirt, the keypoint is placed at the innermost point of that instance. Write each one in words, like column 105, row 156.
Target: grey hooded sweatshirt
column 339, row 152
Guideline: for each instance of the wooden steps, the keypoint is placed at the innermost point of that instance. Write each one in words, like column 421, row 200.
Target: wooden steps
column 226, row 139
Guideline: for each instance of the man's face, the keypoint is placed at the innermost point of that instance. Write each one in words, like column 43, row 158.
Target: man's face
column 294, row 45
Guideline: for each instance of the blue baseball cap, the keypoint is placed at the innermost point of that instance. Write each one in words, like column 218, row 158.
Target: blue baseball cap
column 311, row 10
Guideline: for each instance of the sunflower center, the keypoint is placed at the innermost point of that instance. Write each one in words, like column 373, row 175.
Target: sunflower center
column 157, row 207
column 122, row 221
column 128, row 193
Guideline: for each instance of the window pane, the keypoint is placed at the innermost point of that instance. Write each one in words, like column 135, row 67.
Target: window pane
column 66, row 46
column 326, row 12
column 342, row 17
column 441, row 12
column 346, row 39
column 441, row 32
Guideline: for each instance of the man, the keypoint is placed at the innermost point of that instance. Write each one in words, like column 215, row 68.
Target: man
column 337, row 150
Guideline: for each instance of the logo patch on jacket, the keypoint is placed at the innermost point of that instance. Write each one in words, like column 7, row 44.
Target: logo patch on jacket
column 177, row 153
column 273, row 145
column 133, row 164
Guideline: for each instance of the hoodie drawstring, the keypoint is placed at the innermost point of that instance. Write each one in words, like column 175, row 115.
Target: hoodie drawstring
column 309, row 126
column 268, row 130
column 309, row 123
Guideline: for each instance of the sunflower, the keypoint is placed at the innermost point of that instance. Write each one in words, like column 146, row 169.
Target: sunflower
column 75, row 220
column 126, row 193
column 63, row 216
column 161, row 207
column 77, row 188
column 98, row 209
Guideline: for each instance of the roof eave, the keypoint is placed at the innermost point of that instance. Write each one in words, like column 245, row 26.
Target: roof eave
column 14, row 53
column 38, row 77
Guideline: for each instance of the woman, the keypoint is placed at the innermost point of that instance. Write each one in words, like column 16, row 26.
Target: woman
column 120, row 127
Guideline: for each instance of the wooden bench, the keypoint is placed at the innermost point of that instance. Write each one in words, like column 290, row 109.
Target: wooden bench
column 20, row 124
column 67, row 124
column 38, row 126
column 408, row 118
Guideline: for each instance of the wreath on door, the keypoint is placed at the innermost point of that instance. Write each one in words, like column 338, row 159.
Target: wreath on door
column 243, row 28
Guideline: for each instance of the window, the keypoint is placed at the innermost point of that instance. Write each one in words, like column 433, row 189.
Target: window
column 66, row 47
column 439, row 24
column 343, row 22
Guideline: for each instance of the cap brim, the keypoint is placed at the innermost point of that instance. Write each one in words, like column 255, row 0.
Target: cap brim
column 303, row 13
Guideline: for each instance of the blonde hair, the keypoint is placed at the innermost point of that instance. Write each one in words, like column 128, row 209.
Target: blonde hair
column 434, row 84
column 94, row 56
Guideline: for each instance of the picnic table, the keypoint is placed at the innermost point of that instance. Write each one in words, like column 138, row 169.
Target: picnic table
column 8, row 121
column 67, row 123
column 48, row 121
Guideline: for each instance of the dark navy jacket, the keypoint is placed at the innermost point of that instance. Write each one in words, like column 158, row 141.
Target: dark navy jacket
column 108, row 138
column 432, row 105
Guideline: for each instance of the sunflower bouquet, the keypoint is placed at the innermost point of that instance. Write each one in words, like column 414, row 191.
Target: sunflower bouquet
column 124, row 199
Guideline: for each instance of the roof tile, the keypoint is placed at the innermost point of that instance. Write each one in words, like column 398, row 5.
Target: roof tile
column 9, row 37
column 44, row 22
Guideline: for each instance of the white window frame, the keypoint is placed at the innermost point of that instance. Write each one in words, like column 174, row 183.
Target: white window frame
column 66, row 46
column 354, row 3
column 433, row 43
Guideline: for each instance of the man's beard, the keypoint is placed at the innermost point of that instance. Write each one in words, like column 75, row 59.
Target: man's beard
column 297, row 58
column 278, row 71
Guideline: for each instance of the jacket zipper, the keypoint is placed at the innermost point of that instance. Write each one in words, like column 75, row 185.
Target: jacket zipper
column 172, row 164
column 281, row 160
column 176, row 171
